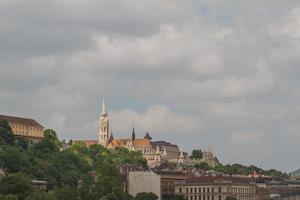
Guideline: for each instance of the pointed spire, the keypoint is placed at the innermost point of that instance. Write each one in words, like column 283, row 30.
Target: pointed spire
column 111, row 137
column 147, row 136
column 103, row 111
column 133, row 134
column 181, row 156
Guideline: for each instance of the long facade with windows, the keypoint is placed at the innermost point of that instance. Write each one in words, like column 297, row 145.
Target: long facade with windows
column 219, row 188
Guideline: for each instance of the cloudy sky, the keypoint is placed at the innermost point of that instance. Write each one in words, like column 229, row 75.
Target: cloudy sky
column 195, row 73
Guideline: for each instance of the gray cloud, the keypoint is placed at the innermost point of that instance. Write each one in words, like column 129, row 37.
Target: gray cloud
column 196, row 73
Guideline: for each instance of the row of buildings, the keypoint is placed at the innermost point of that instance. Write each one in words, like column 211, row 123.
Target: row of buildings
column 167, row 184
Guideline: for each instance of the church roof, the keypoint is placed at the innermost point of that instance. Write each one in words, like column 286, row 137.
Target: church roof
column 163, row 143
column 147, row 136
column 137, row 143
column 141, row 143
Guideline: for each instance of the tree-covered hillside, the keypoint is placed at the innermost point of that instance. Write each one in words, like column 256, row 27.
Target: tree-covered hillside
column 79, row 172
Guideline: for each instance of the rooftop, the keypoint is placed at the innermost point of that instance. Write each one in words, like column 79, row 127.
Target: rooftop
column 214, row 179
column 20, row 120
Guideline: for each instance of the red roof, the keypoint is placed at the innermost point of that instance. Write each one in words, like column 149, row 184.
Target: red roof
column 213, row 179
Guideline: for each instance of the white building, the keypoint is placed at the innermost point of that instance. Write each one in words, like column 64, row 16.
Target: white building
column 143, row 182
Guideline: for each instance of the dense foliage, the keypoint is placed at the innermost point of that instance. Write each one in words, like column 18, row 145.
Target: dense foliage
column 235, row 168
column 77, row 173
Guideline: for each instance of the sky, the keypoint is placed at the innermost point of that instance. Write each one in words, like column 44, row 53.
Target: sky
column 196, row 73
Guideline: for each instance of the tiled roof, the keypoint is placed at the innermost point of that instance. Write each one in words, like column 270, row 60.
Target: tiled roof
column 213, row 179
column 164, row 143
column 141, row 143
column 138, row 143
column 20, row 120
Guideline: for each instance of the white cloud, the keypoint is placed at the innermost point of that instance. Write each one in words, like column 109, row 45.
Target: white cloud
column 156, row 119
column 247, row 138
column 204, row 62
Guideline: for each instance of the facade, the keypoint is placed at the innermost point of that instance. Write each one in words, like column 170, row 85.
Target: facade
column 143, row 182
column 218, row 188
column 167, row 182
column 24, row 127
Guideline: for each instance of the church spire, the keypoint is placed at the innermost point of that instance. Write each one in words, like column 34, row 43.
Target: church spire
column 147, row 136
column 133, row 134
column 103, row 111
column 103, row 126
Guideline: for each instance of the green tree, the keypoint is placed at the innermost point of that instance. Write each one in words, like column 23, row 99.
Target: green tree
column 49, row 144
column 8, row 197
column 108, row 180
column 13, row 160
column 203, row 166
column 146, row 196
column 40, row 195
column 85, row 188
column 197, row 154
column 17, row 184
column 6, row 134
column 66, row 192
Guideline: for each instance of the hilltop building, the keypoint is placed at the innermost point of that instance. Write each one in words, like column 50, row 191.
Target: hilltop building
column 153, row 151
column 24, row 127
column 208, row 157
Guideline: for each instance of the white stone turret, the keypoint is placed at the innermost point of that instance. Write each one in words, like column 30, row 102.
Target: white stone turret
column 103, row 126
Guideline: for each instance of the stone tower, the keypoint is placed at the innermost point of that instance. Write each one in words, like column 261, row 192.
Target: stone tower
column 103, row 126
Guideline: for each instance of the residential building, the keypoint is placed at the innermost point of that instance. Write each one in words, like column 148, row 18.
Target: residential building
column 217, row 188
column 167, row 182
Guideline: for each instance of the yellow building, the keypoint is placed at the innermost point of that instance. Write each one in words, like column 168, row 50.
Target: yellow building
column 24, row 127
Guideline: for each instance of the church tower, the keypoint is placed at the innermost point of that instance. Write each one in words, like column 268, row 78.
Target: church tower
column 103, row 126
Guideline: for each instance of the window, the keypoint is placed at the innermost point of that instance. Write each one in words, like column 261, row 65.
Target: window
column 220, row 198
column 191, row 190
column 212, row 190
column 180, row 190
column 186, row 190
column 195, row 190
column 220, row 189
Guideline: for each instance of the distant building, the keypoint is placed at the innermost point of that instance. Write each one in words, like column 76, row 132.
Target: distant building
column 153, row 152
column 167, row 182
column 208, row 158
column 219, row 188
column 139, row 182
column 39, row 185
column 125, row 169
column 24, row 127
